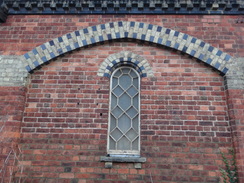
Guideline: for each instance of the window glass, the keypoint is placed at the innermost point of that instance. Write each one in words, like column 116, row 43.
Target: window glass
column 124, row 126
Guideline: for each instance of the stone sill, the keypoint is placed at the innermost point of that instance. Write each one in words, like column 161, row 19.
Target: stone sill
column 122, row 159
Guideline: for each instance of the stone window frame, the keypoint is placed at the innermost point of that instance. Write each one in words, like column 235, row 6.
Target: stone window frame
column 126, row 156
column 117, row 152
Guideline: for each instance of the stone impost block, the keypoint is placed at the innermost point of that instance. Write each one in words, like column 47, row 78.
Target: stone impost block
column 13, row 72
column 234, row 78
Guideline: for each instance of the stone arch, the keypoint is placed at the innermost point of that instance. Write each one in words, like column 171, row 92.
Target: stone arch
column 161, row 36
column 125, row 58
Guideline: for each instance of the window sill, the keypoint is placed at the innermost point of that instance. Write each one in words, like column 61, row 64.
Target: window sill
column 122, row 159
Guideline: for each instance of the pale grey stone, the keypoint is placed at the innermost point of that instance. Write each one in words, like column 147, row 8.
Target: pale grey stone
column 137, row 165
column 13, row 72
column 234, row 78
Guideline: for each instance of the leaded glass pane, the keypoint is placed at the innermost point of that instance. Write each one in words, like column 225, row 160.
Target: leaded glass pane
column 132, row 91
column 131, row 134
column 135, row 144
column 133, row 74
column 135, row 83
column 125, row 81
column 117, row 112
column 118, row 91
column 124, row 144
column 135, row 123
column 113, row 101
column 117, row 74
column 112, row 122
column 116, row 134
column 124, row 123
column 126, row 70
column 132, row 112
column 114, row 82
column 136, row 102
column 124, row 101
column 112, row 144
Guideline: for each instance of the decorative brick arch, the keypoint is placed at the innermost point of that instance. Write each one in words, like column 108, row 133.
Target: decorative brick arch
column 125, row 58
column 128, row 30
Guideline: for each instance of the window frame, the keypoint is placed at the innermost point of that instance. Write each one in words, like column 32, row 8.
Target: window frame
column 124, row 153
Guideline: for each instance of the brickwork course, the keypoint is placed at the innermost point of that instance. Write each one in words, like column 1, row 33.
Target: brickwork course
column 54, row 93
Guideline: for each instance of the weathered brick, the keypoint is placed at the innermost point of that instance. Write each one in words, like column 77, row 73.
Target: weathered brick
column 184, row 118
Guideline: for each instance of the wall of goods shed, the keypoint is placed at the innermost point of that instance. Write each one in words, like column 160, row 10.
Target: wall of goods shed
column 56, row 120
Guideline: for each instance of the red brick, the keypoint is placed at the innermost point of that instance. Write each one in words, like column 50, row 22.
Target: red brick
column 66, row 175
column 178, row 118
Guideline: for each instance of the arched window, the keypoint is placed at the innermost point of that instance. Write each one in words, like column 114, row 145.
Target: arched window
column 124, row 113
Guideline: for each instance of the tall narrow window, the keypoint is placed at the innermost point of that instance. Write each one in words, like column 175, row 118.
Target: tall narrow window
column 124, row 117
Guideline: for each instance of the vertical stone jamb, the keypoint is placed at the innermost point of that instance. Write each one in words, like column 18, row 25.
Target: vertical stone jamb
column 12, row 102
column 234, row 84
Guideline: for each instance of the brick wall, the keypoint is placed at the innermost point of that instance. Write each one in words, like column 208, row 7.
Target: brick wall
column 236, row 116
column 11, row 111
column 22, row 33
column 184, row 116
column 184, row 119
